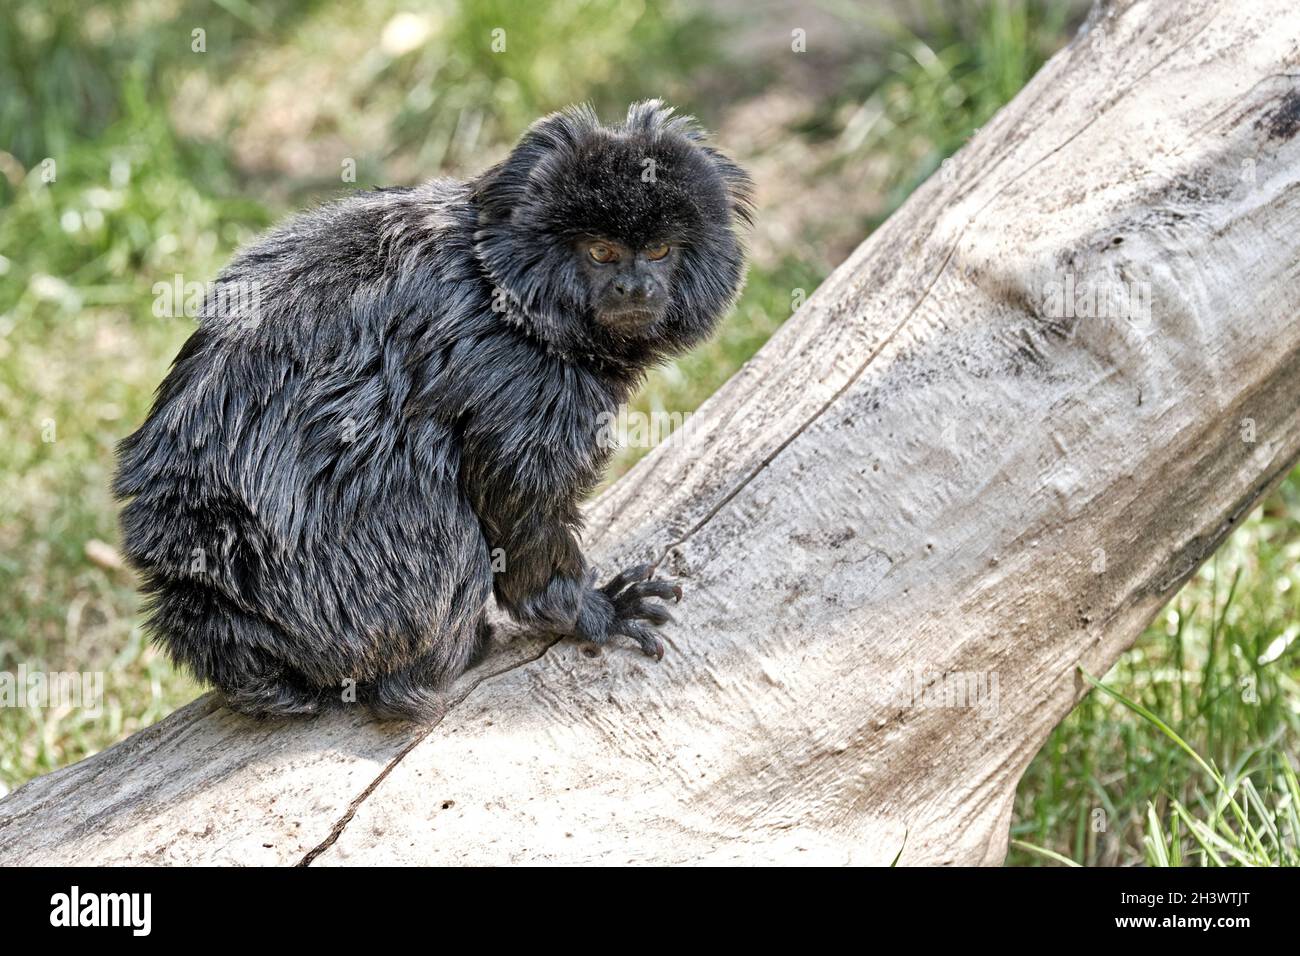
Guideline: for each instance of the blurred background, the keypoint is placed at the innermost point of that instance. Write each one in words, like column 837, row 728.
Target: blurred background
column 145, row 140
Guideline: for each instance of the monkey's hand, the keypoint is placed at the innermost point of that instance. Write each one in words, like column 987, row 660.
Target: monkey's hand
column 627, row 606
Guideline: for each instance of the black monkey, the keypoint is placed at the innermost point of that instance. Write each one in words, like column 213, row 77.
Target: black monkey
column 392, row 392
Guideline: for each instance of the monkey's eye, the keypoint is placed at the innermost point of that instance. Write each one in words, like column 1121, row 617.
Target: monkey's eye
column 603, row 252
column 658, row 250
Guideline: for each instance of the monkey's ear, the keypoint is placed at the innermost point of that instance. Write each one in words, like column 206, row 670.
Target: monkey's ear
column 740, row 188
column 501, row 189
column 655, row 118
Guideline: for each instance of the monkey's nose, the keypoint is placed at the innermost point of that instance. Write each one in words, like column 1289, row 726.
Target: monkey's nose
column 634, row 291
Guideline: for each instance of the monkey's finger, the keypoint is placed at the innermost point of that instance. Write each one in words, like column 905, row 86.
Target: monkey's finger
column 650, row 642
column 659, row 589
column 643, row 611
column 621, row 580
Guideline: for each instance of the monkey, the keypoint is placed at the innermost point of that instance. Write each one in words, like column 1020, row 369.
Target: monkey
column 390, row 412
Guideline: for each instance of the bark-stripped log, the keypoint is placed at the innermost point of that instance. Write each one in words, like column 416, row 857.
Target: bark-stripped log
column 948, row 465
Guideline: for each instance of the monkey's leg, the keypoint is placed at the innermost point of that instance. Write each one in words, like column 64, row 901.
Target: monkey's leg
column 404, row 696
column 225, row 647
column 254, row 683
column 270, row 693
column 417, row 692
column 484, row 644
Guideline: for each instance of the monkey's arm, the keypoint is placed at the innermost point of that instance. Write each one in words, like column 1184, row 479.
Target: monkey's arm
column 525, row 476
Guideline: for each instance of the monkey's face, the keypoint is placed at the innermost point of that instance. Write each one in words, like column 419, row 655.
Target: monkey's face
column 628, row 289
column 621, row 240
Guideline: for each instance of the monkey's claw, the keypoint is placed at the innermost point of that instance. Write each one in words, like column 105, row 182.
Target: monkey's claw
column 651, row 644
column 618, row 582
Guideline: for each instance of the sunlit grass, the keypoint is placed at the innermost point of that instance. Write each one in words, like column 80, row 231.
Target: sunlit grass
column 1221, row 669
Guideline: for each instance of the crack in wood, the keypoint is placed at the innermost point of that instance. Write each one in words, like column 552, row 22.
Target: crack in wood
column 337, row 829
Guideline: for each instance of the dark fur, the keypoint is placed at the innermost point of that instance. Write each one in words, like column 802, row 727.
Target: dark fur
column 326, row 560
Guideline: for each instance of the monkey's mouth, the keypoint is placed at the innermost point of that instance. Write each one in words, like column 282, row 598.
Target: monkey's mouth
column 629, row 321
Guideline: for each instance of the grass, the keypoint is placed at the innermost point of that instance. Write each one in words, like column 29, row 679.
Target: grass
column 80, row 353
column 943, row 76
column 611, row 53
column 1221, row 669
column 166, row 160
column 1237, row 821
column 1248, row 817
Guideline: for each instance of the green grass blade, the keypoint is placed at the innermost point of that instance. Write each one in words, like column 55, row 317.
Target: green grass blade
column 1045, row 853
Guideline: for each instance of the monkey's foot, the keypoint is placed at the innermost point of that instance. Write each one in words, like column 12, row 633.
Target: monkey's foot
column 401, row 697
column 632, row 601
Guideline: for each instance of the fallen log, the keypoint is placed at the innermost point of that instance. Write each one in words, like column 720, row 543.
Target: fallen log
column 981, row 457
